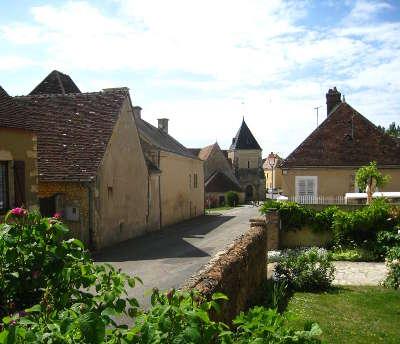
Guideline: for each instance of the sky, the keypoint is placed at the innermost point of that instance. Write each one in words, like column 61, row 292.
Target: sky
column 207, row 64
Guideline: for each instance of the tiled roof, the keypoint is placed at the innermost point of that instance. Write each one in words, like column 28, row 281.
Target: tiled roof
column 220, row 182
column 11, row 114
column 206, row 151
column 244, row 139
column 56, row 83
column 345, row 138
column 73, row 131
column 161, row 139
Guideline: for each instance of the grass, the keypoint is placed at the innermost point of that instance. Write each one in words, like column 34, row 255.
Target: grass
column 354, row 255
column 350, row 314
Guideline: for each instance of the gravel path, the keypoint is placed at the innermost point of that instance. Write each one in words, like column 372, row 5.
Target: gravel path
column 353, row 273
column 359, row 273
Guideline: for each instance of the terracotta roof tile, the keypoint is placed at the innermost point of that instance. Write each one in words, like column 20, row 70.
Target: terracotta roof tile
column 345, row 138
column 73, row 131
column 11, row 114
column 220, row 182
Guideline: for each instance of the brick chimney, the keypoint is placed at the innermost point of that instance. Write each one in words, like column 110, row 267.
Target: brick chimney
column 137, row 112
column 332, row 99
column 163, row 124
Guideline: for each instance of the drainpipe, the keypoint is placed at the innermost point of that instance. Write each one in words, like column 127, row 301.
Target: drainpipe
column 89, row 186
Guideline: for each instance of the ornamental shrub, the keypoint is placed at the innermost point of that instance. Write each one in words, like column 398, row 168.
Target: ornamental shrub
column 393, row 265
column 232, row 198
column 306, row 269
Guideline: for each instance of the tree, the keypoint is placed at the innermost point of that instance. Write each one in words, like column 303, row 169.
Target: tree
column 392, row 130
column 368, row 178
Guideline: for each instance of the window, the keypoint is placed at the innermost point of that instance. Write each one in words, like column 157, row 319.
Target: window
column 248, row 164
column 195, row 181
column 3, row 186
column 190, row 181
column 306, row 186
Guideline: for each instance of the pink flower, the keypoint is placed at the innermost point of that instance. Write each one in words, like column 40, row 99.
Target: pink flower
column 57, row 216
column 20, row 212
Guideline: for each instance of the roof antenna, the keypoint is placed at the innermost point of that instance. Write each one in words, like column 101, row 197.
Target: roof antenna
column 317, row 108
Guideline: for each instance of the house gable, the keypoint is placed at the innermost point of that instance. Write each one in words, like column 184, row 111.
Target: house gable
column 345, row 138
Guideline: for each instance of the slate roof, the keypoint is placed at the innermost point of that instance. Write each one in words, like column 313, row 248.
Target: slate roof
column 73, row 131
column 244, row 139
column 11, row 114
column 161, row 139
column 220, row 182
column 56, row 83
column 345, row 138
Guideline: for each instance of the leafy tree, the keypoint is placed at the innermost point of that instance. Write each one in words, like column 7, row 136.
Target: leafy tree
column 368, row 178
column 392, row 130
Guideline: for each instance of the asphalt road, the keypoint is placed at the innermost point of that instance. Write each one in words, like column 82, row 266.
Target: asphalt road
column 166, row 259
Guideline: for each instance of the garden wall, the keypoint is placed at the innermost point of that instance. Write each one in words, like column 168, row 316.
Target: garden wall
column 304, row 237
column 237, row 272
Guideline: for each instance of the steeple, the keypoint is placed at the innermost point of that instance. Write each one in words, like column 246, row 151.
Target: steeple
column 244, row 139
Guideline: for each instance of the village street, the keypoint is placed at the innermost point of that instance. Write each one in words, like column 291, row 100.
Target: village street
column 167, row 258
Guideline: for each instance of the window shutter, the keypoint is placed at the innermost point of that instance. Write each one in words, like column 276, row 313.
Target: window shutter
column 301, row 187
column 310, row 187
column 19, row 183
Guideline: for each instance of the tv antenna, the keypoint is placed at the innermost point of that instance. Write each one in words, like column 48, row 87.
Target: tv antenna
column 317, row 108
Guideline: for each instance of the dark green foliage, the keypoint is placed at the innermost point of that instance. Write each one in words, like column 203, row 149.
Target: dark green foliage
column 362, row 226
column 232, row 198
column 52, row 292
column 262, row 325
column 393, row 264
column 305, row 270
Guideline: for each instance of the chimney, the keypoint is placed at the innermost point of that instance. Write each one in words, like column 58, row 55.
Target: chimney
column 163, row 124
column 332, row 99
column 137, row 112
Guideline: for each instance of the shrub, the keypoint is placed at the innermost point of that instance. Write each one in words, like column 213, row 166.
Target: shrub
column 361, row 226
column 232, row 198
column 261, row 325
column 306, row 269
column 393, row 265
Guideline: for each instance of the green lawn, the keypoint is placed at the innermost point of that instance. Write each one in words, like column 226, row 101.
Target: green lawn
column 351, row 314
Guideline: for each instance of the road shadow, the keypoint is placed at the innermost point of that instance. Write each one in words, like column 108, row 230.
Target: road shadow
column 167, row 243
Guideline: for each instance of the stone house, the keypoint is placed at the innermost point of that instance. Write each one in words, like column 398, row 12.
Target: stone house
column 219, row 177
column 91, row 165
column 18, row 157
column 325, row 163
column 181, row 177
column 245, row 154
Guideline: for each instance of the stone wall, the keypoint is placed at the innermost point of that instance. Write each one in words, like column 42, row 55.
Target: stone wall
column 237, row 272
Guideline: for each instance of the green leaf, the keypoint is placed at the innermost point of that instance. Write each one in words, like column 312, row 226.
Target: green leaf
column 219, row 296
column 33, row 309
column 92, row 328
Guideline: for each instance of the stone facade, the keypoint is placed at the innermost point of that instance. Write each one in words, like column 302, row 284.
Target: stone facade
column 18, row 152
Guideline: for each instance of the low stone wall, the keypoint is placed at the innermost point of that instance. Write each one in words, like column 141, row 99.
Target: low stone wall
column 237, row 272
column 304, row 237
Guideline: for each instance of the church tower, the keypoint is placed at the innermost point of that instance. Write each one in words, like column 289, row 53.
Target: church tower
column 246, row 156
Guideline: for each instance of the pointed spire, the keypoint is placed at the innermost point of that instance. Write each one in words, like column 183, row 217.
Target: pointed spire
column 244, row 139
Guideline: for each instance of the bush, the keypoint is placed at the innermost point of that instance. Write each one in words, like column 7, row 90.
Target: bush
column 355, row 254
column 232, row 199
column 305, row 269
column 51, row 292
column 261, row 325
column 393, row 265
column 362, row 226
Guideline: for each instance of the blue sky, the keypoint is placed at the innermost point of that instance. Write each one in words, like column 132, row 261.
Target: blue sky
column 205, row 64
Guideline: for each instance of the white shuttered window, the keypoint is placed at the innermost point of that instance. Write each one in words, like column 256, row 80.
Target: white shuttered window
column 306, row 186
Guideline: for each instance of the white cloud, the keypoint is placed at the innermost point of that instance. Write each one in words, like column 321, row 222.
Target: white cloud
column 253, row 51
